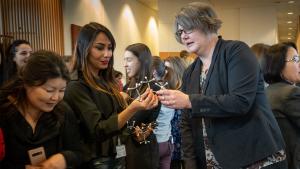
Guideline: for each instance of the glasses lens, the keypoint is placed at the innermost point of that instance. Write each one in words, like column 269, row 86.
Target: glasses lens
column 296, row 59
column 179, row 32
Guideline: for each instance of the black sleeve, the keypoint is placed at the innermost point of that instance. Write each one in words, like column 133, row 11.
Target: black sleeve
column 71, row 139
column 243, row 75
column 77, row 96
column 292, row 108
column 188, row 147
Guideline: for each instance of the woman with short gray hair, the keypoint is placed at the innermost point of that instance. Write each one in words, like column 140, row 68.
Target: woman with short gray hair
column 226, row 120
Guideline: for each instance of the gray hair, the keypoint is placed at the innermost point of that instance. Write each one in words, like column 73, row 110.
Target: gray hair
column 197, row 15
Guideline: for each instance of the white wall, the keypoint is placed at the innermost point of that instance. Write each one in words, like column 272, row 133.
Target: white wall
column 132, row 22
column 79, row 12
column 128, row 20
column 258, row 25
column 231, row 23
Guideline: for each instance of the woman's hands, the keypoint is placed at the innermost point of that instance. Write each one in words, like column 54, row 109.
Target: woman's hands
column 148, row 100
column 174, row 99
column 56, row 161
column 141, row 133
column 125, row 95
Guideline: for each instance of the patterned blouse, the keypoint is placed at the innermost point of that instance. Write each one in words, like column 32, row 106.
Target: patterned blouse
column 211, row 161
column 175, row 122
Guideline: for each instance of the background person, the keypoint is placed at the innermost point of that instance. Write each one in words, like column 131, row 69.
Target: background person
column 163, row 130
column 282, row 73
column 17, row 55
column 118, row 76
column 142, row 146
column 178, row 66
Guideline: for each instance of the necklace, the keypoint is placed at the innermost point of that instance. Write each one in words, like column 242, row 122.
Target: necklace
column 203, row 77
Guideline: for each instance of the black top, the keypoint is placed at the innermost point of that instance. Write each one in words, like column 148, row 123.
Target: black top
column 240, row 125
column 97, row 113
column 56, row 131
column 140, row 155
column 284, row 99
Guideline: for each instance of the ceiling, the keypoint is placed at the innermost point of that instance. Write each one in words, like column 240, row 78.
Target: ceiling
column 286, row 31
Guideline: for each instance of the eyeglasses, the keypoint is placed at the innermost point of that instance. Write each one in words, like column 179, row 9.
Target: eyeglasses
column 294, row 59
column 180, row 31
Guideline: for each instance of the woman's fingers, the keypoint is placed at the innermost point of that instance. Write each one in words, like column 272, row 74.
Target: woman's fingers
column 145, row 94
column 154, row 101
column 164, row 94
column 148, row 97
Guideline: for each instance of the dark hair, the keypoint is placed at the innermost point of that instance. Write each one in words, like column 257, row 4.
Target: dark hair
column 164, row 73
column 143, row 53
column 275, row 62
column 10, row 67
column 292, row 44
column 184, row 54
column 159, row 66
column 41, row 66
column 117, row 73
column 86, row 38
column 260, row 50
column 178, row 66
column 197, row 15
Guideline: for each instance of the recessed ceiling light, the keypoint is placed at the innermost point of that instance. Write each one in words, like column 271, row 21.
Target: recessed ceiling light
column 289, row 22
column 290, row 28
column 291, row 2
column 290, row 13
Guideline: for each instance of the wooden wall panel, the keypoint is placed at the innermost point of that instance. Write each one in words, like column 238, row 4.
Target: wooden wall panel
column 164, row 55
column 75, row 29
column 38, row 21
column 298, row 35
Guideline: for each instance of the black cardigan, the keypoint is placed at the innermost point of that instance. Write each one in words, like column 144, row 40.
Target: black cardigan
column 240, row 125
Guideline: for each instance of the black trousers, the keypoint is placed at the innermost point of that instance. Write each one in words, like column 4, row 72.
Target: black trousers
column 106, row 163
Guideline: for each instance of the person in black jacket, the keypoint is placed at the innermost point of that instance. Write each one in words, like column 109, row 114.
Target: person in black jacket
column 40, row 130
column 282, row 73
column 227, row 122
column 141, row 145
column 96, row 100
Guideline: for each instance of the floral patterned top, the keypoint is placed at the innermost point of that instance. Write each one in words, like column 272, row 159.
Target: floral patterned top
column 175, row 123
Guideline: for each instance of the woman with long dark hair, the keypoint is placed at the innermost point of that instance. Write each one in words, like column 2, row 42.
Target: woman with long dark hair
column 97, row 102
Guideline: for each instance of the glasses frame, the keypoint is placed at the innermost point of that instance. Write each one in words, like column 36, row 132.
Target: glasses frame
column 186, row 32
column 295, row 59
